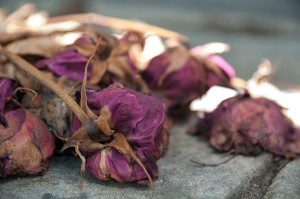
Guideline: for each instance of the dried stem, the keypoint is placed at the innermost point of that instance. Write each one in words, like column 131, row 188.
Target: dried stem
column 43, row 79
column 116, row 23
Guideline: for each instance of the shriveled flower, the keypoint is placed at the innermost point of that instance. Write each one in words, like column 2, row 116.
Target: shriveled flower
column 248, row 125
column 176, row 75
column 140, row 120
column 25, row 145
column 181, row 76
column 6, row 89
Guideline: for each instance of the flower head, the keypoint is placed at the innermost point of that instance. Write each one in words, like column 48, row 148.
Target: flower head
column 249, row 125
column 25, row 145
column 138, row 122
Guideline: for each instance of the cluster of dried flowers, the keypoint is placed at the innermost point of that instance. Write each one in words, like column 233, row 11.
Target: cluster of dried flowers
column 110, row 95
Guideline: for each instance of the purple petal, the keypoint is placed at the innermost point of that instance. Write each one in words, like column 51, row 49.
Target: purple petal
column 140, row 117
column 84, row 39
column 69, row 63
column 109, row 163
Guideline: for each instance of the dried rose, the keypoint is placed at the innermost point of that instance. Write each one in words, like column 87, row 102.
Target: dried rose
column 25, row 145
column 138, row 118
column 182, row 77
column 69, row 63
column 249, row 125
column 181, row 85
column 6, row 89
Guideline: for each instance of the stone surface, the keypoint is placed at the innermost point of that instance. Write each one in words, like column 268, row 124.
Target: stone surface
column 179, row 177
column 286, row 184
column 255, row 30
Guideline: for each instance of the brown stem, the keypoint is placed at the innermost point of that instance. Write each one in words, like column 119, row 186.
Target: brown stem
column 121, row 24
column 27, row 67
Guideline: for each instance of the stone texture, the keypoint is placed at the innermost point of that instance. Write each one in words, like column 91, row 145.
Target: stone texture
column 286, row 184
column 179, row 177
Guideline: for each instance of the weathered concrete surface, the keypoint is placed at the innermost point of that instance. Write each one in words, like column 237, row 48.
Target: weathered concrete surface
column 241, row 177
column 286, row 184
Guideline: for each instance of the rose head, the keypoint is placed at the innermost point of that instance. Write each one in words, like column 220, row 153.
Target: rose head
column 181, row 77
column 138, row 122
column 6, row 89
column 25, row 145
column 179, row 84
column 249, row 125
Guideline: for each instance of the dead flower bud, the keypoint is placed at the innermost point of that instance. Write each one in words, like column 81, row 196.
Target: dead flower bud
column 137, row 127
column 25, row 145
column 248, row 125
column 180, row 76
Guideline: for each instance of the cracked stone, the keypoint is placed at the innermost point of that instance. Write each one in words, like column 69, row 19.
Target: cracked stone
column 286, row 184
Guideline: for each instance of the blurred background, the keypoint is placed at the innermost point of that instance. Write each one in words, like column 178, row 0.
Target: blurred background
column 254, row 29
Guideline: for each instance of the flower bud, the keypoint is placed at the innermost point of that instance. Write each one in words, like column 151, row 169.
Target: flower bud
column 179, row 86
column 140, row 118
column 25, row 145
column 249, row 125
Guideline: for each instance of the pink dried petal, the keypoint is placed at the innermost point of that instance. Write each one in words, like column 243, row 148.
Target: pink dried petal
column 109, row 163
column 222, row 64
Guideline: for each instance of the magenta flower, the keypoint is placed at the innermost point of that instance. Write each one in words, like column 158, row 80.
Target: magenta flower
column 186, row 79
column 249, row 125
column 180, row 86
column 25, row 145
column 140, row 118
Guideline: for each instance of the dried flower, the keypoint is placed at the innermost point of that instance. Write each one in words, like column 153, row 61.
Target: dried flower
column 182, row 77
column 179, row 77
column 138, row 118
column 25, row 145
column 249, row 125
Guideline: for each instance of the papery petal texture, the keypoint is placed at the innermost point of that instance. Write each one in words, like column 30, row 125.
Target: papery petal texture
column 179, row 87
column 249, row 125
column 141, row 118
column 69, row 63
column 26, row 145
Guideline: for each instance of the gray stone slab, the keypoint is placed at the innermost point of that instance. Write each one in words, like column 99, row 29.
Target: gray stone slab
column 286, row 184
column 179, row 177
